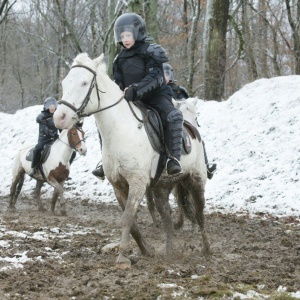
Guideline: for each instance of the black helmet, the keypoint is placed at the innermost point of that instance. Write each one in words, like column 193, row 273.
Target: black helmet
column 168, row 70
column 130, row 22
column 50, row 101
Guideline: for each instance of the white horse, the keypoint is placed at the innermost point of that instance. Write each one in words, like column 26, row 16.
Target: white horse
column 128, row 158
column 56, row 168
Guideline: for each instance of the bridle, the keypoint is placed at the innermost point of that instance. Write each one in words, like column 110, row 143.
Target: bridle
column 79, row 111
column 73, row 145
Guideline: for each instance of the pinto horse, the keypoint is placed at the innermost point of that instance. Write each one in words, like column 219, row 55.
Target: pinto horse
column 128, row 159
column 55, row 168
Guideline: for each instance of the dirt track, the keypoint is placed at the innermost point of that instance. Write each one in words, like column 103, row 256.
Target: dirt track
column 67, row 261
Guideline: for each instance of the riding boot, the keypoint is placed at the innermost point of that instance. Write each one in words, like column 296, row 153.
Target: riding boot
column 99, row 172
column 35, row 160
column 210, row 168
column 174, row 141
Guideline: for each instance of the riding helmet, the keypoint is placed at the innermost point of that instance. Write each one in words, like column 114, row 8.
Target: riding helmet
column 130, row 22
column 50, row 101
column 168, row 70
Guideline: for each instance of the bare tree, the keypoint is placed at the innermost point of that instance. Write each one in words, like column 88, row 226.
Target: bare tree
column 295, row 26
column 215, row 48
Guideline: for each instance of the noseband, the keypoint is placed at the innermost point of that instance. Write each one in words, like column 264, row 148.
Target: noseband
column 79, row 111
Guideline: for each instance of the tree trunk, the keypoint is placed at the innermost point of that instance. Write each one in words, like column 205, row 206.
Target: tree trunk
column 215, row 48
column 151, row 19
column 250, row 61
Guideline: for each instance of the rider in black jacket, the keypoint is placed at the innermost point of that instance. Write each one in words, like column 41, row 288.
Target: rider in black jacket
column 138, row 70
column 47, row 131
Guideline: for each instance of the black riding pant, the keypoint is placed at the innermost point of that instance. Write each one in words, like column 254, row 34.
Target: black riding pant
column 163, row 105
column 37, row 153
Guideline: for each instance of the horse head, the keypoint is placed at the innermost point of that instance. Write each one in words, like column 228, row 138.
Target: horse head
column 188, row 108
column 79, row 87
column 76, row 140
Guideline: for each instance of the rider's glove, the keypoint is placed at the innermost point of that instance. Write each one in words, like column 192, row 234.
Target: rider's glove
column 131, row 93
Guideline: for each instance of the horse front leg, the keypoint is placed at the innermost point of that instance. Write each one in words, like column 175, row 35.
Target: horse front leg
column 129, row 225
column 58, row 192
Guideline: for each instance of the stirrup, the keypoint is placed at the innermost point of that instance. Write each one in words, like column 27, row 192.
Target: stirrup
column 211, row 169
column 176, row 163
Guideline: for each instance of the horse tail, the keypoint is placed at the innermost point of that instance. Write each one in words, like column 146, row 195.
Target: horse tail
column 185, row 202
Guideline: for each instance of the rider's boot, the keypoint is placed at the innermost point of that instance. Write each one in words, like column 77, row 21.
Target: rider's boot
column 174, row 141
column 210, row 168
column 34, row 163
column 99, row 172
column 32, row 172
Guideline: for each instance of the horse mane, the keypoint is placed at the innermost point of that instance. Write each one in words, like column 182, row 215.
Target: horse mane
column 83, row 58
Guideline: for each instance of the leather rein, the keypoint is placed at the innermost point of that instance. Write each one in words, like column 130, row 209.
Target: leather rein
column 79, row 111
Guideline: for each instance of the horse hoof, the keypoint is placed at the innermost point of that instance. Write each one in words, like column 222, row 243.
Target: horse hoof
column 123, row 266
column 63, row 213
column 123, row 263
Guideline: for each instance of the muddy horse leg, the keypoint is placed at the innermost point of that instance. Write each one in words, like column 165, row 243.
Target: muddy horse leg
column 161, row 196
column 151, row 206
column 180, row 219
column 197, row 191
column 53, row 201
column 129, row 225
column 60, row 191
column 15, row 189
column 37, row 195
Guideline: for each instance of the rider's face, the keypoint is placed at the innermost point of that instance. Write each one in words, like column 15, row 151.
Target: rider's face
column 127, row 39
column 167, row 77
column 52, row 108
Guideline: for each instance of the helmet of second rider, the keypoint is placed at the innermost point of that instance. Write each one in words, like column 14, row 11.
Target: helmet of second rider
column 168, row 70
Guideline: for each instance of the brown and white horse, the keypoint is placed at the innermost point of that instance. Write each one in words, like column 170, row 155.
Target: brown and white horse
column 56, row 168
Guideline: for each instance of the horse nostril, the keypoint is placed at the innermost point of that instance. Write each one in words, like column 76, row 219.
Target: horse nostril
column 63, row 116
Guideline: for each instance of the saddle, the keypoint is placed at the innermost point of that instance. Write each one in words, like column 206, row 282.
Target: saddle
column 44, row 155
column 155, row 132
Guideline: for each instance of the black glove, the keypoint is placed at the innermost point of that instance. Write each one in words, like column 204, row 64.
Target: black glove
column 131, row 93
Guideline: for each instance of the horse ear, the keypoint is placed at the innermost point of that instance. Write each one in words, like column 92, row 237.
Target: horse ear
column 99, row 60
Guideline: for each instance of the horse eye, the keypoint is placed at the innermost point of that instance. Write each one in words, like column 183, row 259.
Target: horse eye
column 84, row 83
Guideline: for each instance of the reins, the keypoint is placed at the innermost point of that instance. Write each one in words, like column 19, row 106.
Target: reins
column 79, row 111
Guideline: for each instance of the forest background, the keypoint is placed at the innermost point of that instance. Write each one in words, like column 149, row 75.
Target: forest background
column 214, row 46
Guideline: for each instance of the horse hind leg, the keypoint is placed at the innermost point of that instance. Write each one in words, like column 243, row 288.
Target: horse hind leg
column 53, row 201
column 178, row 196
column 161, row 197
column 151, row 206
column 37, row 195
column 197, row 192
column 15, row 189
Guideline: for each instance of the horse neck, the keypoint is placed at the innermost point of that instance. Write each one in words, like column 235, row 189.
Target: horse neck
column 118, row 116
column 61, row 146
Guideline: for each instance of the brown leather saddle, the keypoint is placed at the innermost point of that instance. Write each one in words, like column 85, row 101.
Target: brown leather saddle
column 155, row 132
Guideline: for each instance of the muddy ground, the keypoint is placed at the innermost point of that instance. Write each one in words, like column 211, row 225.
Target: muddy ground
column 67, row 260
